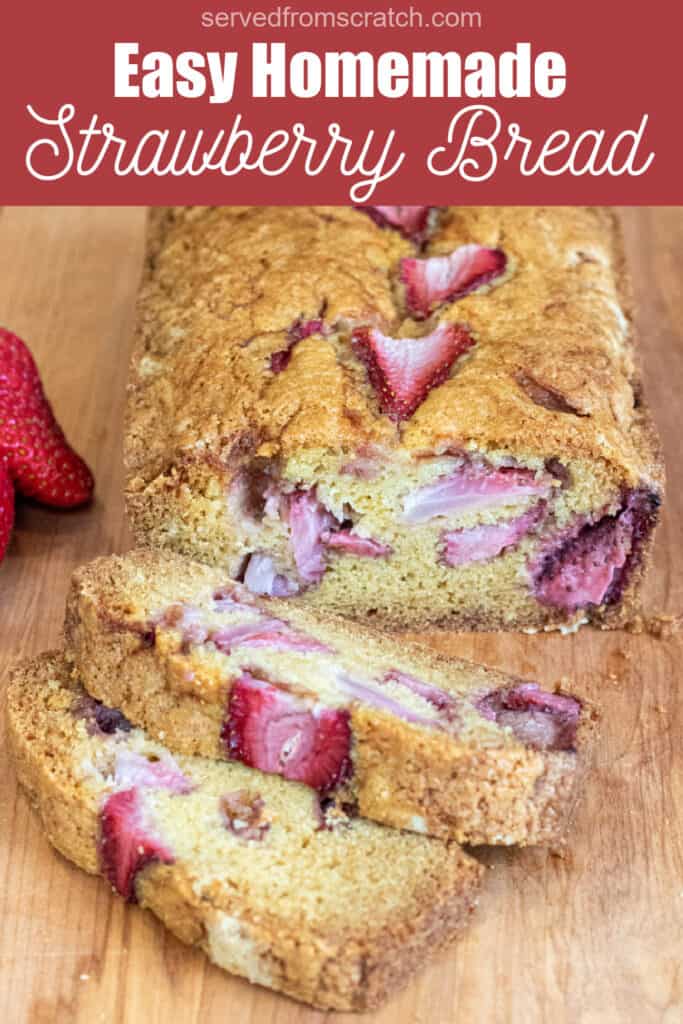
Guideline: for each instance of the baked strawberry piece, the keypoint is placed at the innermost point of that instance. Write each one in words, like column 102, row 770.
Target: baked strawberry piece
column 299, row 330
column 268, row 728
column 431, row 282
column 136, row 771
column 272, row 633
column 404, row 370
column 547, row 721
column 409, row 739
column 481, row 543
column 308, row 522
column 411, row 221
column 99, row 718
column 590, row 563
column 127, row 845
column 474, row 487
column 128, row 839
column 346, row 540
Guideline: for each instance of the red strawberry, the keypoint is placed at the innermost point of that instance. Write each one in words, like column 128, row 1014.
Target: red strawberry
column 40, row 462
column 272, row 730
column 411, row 221
column 126, row 846
column 404, row 370
column 431, row 282
column 6, row 508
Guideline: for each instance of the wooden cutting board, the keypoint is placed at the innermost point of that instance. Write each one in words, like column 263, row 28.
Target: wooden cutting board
column 592, row 938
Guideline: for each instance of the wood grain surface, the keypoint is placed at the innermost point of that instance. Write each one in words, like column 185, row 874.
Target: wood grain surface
column 592, row 938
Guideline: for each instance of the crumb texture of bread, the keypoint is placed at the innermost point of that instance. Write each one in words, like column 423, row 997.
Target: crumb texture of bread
column 413, row 740
column 258, row 413
column 337, row 914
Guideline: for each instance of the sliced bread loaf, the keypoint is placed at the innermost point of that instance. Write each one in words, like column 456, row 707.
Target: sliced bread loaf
column 408, row 738
column 334, row 911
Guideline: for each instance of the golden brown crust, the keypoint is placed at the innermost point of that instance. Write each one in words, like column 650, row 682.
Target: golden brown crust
column 350, row 968
column 403, row 776
column 224, row 285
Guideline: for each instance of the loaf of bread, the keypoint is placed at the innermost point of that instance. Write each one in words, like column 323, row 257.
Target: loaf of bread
column 334, row 911
column 401, row 735
column 433, row 417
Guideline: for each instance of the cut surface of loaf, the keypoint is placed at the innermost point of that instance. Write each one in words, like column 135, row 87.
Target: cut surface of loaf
column 403, row 736
column 429, row 416
column 334, row 911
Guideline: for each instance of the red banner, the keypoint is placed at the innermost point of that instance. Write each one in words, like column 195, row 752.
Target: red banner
column 216, row 102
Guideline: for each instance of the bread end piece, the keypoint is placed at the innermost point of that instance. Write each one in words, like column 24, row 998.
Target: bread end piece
column 355, row 966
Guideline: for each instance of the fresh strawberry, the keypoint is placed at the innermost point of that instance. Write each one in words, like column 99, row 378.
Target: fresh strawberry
column 479, row 543
column 353, row 544
column 473, row 487
column 545, row 721
column 404, row 370
column 126, row 844
column 32, row 446
column 300, row 329
column 411, row 221
column 6, row 508
column 270, row 729
column 431, row 282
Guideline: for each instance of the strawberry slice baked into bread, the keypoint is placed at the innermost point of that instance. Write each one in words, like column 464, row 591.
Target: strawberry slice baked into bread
column 429, row 416
column 385, row 729
column 334, row 911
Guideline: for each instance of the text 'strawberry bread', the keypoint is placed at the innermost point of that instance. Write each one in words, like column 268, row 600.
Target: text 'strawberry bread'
column 430, row 416
column 334, row 911
column 406, row 737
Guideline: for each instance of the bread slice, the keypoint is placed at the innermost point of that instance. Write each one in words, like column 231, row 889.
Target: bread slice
column 430, row 416
column 334, row 911
column 408, row 738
